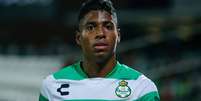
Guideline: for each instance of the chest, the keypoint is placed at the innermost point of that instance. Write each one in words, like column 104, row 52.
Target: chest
column 94, row 89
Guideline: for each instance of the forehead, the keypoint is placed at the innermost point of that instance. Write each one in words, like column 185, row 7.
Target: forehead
column 97, row 16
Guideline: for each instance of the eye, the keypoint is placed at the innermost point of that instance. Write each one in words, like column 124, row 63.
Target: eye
column 109, row 26
column 90, row 27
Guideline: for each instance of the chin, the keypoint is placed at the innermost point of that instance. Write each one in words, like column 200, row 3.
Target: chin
column 101, row 57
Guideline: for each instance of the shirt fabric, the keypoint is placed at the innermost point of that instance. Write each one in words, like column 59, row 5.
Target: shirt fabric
column 121, row 84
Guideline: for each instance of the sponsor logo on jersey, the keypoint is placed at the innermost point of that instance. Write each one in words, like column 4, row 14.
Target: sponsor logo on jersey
column 123, row 90
column 63, row 89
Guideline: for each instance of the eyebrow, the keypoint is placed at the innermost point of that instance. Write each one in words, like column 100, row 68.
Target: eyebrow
column 108, row 22
column 104, row 22
column 90, row 22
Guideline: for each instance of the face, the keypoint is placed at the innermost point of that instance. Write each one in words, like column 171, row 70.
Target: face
column 98, row 35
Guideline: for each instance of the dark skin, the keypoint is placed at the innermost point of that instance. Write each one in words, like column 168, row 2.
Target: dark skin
column 98, row 37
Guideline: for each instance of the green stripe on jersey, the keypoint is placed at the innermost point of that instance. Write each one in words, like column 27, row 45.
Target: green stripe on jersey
column 42, row 98
column 75, row 72
column 93, row 100
column 124, row 72
column 152, row 96
column 68, row 72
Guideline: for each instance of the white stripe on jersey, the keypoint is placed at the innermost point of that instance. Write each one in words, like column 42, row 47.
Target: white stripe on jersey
column 95, row 88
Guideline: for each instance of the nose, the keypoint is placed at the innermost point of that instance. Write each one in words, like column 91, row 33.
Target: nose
column 100, row 33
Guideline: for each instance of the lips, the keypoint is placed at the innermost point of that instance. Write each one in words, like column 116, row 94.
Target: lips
column 100, row 45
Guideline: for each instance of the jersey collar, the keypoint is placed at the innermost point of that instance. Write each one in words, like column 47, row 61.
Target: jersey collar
column 84, row 75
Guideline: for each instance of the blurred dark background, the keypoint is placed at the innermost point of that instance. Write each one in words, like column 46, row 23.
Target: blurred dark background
column 160, row 38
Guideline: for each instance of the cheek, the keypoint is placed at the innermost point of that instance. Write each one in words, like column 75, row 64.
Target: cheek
column 85, row 41
column 113, row 38
column 112, row 35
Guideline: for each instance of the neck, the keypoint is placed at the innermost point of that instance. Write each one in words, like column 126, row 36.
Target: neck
column 98, row 69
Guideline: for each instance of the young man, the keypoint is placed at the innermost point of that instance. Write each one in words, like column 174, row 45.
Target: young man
column 98, row 76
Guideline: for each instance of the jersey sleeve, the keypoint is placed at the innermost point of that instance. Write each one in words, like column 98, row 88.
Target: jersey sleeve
column 42, row 98
column 44, row 91
column 152, row 96
column 149, row 93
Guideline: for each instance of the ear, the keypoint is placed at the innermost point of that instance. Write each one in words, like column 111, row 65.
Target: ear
column 119, row 35
column 78, row 37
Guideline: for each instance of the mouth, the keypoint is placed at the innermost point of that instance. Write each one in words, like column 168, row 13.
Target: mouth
column 100, row 46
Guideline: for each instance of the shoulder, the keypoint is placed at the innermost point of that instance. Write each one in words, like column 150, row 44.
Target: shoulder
column 125, row 72
column 143, row 85
column 147, row 84
column 147, row 90
column 137, row 76
column 44, row 93
column 68, row 72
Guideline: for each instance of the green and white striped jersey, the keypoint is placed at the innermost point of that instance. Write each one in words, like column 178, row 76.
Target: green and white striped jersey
column 122, row 84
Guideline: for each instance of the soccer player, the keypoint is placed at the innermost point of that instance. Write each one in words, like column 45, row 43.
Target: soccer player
column 98, row 76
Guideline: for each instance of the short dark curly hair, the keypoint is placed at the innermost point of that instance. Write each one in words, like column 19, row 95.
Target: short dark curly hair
column 104, row 5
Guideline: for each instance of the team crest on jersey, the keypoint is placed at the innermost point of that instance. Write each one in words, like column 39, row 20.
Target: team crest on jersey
column 123, row 90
